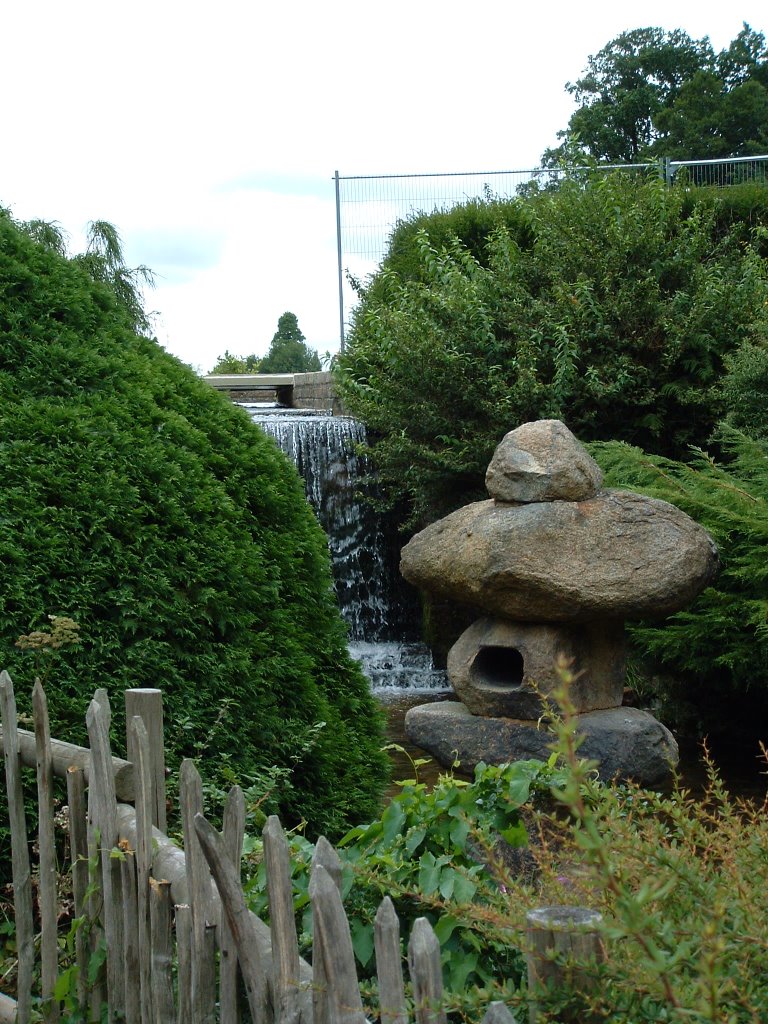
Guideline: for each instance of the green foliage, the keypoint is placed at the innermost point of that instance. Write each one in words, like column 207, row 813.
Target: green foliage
column 229, row 363
column 473, row 223
column 435, row 853
column 137, row 501
column 652, row 93
column 744, row 391
column 611, row 306
column 288, row 352
column 678, row 883
column 719, row 645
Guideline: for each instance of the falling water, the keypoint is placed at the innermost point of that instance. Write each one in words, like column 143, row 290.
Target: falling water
column 380, row 611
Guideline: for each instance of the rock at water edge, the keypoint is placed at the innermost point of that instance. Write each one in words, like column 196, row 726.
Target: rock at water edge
column 627, row 743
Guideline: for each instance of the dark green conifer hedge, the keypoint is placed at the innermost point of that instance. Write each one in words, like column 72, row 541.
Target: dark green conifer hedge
column 138, row 501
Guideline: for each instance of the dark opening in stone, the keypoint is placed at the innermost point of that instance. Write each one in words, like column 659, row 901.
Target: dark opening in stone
column 498, row 666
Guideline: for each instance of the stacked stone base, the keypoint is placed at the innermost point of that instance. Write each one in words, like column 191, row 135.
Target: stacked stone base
column 627, row 743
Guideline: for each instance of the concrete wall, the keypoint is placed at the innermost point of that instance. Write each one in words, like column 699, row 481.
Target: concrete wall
column 316, row 391
column 296, row 390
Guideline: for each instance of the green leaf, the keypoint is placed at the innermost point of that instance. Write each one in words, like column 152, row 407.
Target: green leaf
column 464, row 888
column 414, row 839
column 459, row 969
column 393, row 820
column 519, row 790
column 459, row 832
column 95, row 962
column 429, row 874
column 65, row 983
column 515, row 835
column 445, row 926
column 447, row 882
column 362, row 940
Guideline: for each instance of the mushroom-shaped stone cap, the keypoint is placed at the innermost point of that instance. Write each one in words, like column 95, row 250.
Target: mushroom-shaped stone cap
column 542, row 461
column 618, row 555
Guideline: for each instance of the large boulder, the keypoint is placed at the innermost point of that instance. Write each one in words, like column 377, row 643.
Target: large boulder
column 615, row 556
column 627, row 743
column 542, row 461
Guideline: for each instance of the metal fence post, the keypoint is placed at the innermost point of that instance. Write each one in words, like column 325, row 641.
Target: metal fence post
column 339, row 258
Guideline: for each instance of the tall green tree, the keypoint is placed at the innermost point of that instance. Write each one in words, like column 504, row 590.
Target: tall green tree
column 651, row 93
column 289, row 352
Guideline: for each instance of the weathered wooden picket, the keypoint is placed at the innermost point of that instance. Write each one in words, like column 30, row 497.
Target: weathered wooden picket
column 178, row 936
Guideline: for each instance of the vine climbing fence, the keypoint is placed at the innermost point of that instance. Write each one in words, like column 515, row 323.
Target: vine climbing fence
column 163, row 934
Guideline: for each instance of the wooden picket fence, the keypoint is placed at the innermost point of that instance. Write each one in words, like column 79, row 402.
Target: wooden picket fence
column 180, row 944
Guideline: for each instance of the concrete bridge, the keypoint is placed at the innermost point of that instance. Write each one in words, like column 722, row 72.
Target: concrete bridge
column 292, row 390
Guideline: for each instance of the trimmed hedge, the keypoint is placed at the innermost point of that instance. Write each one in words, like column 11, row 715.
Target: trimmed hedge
column 141, row 503
column 612, row 304
column 742, row 207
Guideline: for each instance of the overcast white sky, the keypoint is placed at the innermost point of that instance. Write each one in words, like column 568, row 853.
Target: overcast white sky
column 209, row 133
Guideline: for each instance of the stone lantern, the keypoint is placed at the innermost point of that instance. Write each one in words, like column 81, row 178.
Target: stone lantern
column 557, row 565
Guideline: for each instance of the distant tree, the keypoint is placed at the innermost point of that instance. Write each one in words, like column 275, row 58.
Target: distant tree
column 289, row 352
column 652, row 93
column 229, row 363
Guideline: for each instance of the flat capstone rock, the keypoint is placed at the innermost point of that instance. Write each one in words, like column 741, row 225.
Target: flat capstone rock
column 618, row 555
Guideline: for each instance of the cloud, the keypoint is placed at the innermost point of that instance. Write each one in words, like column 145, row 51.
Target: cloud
column 174, row 253
column 279, row 182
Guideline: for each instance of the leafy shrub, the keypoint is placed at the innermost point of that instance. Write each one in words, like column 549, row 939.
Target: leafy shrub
column 611, row 305
column 473, row 223
column 436, row 854
column 744, row 391
column 137, row 501
column 718, row 647
column 678, row 882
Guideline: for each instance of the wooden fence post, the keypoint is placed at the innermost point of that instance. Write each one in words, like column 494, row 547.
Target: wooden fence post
column 332, row 945
column 562, row 944
column 285, row 946
column 143, row 786
column 233, row 830
column 49, row 918
column 326, row 857
column 131, row 939
column 147, row 704
column 162, row 952
column 199, row 886
column 426, row 973
column 20, row 869
column 78, row 852
column 389, row 964
column 102, row 787
column 240, row 923
column 184, row 952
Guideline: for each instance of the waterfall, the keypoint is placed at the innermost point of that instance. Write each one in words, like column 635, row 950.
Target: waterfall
column 380, row 611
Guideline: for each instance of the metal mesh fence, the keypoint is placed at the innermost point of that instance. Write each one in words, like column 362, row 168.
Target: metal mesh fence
column 722, row 173
column 372, row 206
column 368, row 208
